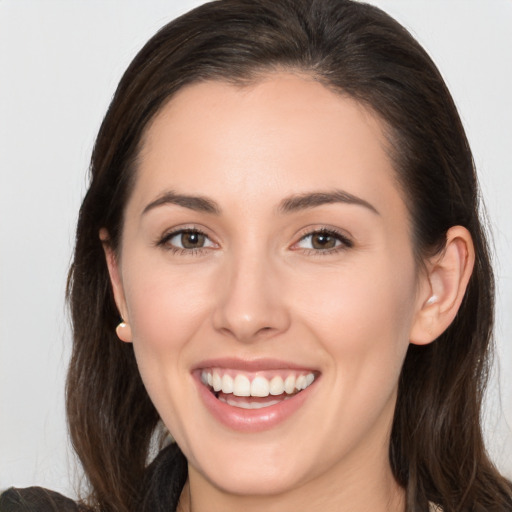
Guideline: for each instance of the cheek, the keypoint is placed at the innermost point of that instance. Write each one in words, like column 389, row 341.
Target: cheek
column 363, row 315
column 165, row 306
column 363, row 321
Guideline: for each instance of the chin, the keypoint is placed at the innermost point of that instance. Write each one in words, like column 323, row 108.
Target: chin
column 264, row 480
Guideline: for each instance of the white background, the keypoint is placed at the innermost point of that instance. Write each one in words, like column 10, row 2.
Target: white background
column 60, row 62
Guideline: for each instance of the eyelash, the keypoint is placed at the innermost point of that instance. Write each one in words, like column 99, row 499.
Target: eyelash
column 164, row 242
column 345, row 242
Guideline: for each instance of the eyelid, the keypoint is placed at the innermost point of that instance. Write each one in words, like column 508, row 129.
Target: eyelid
column 346, row 240
column 181, row 232
column 340, row 235
column 163, row 240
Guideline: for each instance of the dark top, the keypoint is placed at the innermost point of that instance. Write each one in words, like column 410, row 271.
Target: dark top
column 36, row 499
column 164, row 480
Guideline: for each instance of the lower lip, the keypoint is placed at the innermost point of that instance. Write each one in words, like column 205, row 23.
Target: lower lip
column 252, row 420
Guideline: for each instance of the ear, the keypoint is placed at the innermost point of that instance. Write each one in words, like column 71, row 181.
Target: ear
column 443, row 287
column 123, row 330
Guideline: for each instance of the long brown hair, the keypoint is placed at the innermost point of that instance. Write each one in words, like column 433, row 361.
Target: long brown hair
column 436, row 451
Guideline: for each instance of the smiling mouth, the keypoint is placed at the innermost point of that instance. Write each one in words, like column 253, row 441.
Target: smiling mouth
column 255, row 390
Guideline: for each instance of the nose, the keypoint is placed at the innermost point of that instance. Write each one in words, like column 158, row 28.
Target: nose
column 250, row 304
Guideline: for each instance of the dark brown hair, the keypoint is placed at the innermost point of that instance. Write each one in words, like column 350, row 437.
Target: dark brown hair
column 436, row 451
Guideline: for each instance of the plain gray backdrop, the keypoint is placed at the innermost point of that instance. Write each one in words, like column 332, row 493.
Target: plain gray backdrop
column 60, row 62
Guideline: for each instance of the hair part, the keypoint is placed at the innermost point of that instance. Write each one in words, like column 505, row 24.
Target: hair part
column 436, row 452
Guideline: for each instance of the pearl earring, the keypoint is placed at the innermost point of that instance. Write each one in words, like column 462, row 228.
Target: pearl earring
column 432, row 300
column 123, row 331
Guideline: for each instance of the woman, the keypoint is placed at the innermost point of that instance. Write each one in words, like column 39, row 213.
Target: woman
column 282, row 228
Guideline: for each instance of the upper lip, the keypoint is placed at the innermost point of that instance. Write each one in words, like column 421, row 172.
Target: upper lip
column 251, row 365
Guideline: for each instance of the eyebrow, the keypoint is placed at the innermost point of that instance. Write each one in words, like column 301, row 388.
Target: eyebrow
column 289, row 205
column 196, row 203
column 314, row 199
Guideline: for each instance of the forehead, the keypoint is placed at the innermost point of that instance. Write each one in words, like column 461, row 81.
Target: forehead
column 283, row 133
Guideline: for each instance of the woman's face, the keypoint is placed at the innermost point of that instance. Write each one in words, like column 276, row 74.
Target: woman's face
column 266, row 247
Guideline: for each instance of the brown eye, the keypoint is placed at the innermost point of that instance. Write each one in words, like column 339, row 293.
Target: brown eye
column 192, row 239
column 187, row 240
column 323, row 241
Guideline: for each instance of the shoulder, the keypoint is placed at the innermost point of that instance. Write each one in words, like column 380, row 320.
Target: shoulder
column 36, row 499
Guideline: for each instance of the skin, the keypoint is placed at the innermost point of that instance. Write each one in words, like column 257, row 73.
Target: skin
column 260, row 288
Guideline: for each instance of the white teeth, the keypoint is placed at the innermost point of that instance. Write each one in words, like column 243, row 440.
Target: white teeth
column 227, row 384
column 300, row 383
column 276, row 386
column 289, row 384
column 260, row 387
column 241, row 386
column 216, row 382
